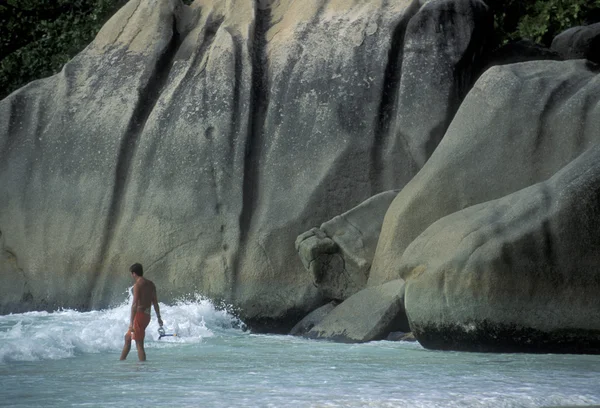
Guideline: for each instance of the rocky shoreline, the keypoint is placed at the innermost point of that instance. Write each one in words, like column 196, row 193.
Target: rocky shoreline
column 379, row 164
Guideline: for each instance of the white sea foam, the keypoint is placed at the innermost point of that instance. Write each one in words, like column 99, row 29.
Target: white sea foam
column 214, row 364
column 65, row 333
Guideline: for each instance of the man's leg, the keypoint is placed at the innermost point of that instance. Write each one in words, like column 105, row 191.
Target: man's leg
column 127, row 345
column 140, row 349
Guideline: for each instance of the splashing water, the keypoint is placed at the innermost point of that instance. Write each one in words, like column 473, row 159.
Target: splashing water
column 70, row 358
column 66, row 333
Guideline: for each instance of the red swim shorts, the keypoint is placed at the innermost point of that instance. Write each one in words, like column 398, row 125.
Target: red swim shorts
column 140, row 322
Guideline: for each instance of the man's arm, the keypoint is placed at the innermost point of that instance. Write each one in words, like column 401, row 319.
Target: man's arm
column 156, row 308
column 136, row 295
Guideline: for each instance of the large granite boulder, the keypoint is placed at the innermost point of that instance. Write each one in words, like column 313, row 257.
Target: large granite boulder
column 519, row 273
column 371, row 314
column 338, row 255
column 579, row 42
column 202, row 140
column 519, row 125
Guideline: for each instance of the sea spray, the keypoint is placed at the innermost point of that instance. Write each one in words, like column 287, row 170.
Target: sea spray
column 233, row 368
column 66, row 333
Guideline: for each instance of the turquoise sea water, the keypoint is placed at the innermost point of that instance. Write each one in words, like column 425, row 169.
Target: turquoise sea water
column 68, row 358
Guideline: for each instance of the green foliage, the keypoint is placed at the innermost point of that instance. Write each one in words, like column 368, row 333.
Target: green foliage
column 541, row 20
column 39, row 36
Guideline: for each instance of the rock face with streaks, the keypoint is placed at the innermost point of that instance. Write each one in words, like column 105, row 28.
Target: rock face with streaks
column 201, row 140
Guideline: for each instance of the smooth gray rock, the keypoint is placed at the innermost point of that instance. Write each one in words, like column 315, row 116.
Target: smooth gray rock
column 313, row 318
column 370, row 314
column 202, row 140
column 339, row 253
column 579, row 42
column 519, row 125
column 519, row 273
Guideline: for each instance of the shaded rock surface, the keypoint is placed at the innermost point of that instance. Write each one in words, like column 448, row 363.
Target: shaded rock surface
column 519, row 125
column 202, row 140
column 312, row 319
column 340, row 252
column 370, row 314
column 579, row 42
column 515, row 274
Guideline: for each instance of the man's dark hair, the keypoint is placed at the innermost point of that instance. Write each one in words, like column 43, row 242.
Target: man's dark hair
column 137, row 269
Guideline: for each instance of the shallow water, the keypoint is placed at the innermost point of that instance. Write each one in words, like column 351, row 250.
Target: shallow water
column 69, row 358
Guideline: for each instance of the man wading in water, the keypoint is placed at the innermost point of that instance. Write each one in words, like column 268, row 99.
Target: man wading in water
column 144, row 295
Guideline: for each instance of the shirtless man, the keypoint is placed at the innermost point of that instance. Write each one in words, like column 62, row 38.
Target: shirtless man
column 144, row 295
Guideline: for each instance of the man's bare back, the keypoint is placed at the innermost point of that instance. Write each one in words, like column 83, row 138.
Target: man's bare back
column 144, row 292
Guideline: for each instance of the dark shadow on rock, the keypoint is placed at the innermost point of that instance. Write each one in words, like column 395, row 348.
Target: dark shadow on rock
column 520, row 51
